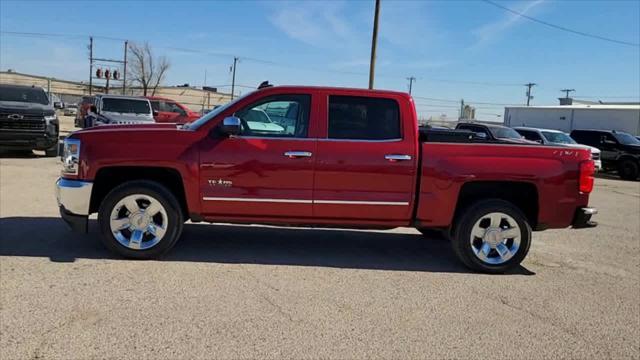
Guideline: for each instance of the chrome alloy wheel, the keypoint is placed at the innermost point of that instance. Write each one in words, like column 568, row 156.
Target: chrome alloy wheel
column 138, row 221
column 495, row 238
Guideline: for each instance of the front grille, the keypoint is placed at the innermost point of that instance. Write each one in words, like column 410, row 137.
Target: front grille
column 5, row 115
column 595, row 156
column 29, row 125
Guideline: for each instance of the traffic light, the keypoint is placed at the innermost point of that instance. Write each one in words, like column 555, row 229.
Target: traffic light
column 99, row 73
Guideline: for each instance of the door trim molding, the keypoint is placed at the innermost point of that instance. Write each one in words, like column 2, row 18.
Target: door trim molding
column 295, row 201
column 302, row 201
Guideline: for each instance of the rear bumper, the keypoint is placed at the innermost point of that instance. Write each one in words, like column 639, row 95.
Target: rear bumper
column 74, row 198
column 582, row 218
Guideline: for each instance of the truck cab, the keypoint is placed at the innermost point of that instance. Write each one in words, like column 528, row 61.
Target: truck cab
column 28, row 120
column 620, row 150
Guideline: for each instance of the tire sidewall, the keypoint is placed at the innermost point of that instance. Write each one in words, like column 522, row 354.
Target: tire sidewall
column 156, row 191
column 462, row 235
column 632, row 168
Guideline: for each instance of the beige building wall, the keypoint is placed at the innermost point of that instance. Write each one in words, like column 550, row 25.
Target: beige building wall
column 70, row 91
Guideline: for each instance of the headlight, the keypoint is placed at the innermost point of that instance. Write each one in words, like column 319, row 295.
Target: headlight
column 70, row 156
column 51, row 119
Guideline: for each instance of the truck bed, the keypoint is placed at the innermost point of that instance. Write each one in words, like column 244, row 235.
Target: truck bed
column 548, row 173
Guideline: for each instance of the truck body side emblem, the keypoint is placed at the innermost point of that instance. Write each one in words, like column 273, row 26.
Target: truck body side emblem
column 220, row 183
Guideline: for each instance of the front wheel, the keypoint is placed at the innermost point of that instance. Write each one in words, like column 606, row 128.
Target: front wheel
column 140, row 220
column 52, row 151
column 492, row 236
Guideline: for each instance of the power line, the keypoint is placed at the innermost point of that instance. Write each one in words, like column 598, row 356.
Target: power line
column 256, row 60
column 558, row 27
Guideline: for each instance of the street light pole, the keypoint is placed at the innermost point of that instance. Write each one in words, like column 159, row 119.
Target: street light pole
column 374, row 41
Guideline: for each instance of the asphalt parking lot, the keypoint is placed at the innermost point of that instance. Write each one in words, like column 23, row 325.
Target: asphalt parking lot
column 228, row 291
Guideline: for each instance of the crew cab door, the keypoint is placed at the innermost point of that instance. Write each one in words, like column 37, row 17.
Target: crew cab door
column 367, row 162
column 267, row 170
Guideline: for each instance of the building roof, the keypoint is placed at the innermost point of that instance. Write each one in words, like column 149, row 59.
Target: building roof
column 580, row 106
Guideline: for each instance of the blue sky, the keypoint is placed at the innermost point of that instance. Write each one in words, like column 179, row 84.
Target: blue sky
column 455, row 49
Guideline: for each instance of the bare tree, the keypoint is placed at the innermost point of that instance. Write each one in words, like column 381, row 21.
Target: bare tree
column 145, row 70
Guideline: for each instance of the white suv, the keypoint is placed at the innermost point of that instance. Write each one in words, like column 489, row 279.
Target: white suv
column 559, row 138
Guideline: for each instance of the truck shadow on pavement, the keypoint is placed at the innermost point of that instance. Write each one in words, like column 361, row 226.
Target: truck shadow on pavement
column 228, row 244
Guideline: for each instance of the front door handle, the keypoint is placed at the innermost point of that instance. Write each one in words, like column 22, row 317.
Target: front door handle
column 397, row 157
column 297, row 154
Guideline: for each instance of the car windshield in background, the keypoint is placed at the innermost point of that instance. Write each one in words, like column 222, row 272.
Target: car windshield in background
column 558, row 137
column 626, row 139
column 505, row 133
column 19, row 94
column 213, row 113
column 125, row 106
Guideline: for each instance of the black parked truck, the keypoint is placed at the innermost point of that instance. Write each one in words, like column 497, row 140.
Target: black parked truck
column 28, row 120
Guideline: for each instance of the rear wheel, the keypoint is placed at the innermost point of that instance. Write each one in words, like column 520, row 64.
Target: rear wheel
column 492, row 236
column 628, row 169
column 140, row 220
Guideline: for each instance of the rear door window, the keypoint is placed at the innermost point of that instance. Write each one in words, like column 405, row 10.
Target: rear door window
column 363, row 118
column 530, row 135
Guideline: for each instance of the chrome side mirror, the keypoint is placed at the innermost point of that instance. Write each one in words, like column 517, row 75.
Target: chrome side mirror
column 231, row 125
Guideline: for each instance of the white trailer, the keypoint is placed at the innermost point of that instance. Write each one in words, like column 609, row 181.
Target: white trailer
column 570, row 117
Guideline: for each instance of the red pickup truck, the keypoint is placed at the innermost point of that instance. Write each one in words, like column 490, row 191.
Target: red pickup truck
column 316, row 156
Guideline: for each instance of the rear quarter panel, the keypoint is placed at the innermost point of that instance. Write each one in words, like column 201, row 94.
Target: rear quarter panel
column 554, row 171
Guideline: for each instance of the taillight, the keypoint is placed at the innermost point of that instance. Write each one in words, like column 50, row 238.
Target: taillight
column 585, row 182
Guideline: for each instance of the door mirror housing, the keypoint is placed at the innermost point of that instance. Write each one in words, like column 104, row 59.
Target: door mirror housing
column 93, row 109
column 230, row 126
column 155, row 113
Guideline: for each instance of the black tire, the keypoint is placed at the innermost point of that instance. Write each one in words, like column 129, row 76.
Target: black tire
column 629, row 169
column 52, row 151
column 151, row 189
column 462, row 234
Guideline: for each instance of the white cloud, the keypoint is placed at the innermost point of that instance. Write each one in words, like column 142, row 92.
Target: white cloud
column 490, row 31
column 319, row 24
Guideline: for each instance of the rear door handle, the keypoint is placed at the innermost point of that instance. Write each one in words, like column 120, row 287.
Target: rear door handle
column 397, row 157
column 297, row 154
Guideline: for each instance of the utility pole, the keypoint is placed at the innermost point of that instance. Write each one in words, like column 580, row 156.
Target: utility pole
column 567, row 91
column 411, row 80
column 90, row 64
column 233, row 78
column 529, row 96
column 124, row 73
column 374, row 42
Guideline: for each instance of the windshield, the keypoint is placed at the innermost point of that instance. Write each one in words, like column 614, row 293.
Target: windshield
column 626, row 139
column 558, row 137
column 20, row 94
column 125, row 106
column 505, row 133
column 213, row 113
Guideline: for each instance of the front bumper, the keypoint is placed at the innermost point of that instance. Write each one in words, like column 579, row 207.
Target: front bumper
column 74, row 197
column 28, row 140
column 582, row 218
column 598, row 164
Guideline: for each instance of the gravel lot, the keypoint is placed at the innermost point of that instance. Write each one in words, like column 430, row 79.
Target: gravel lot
column 228, row 291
